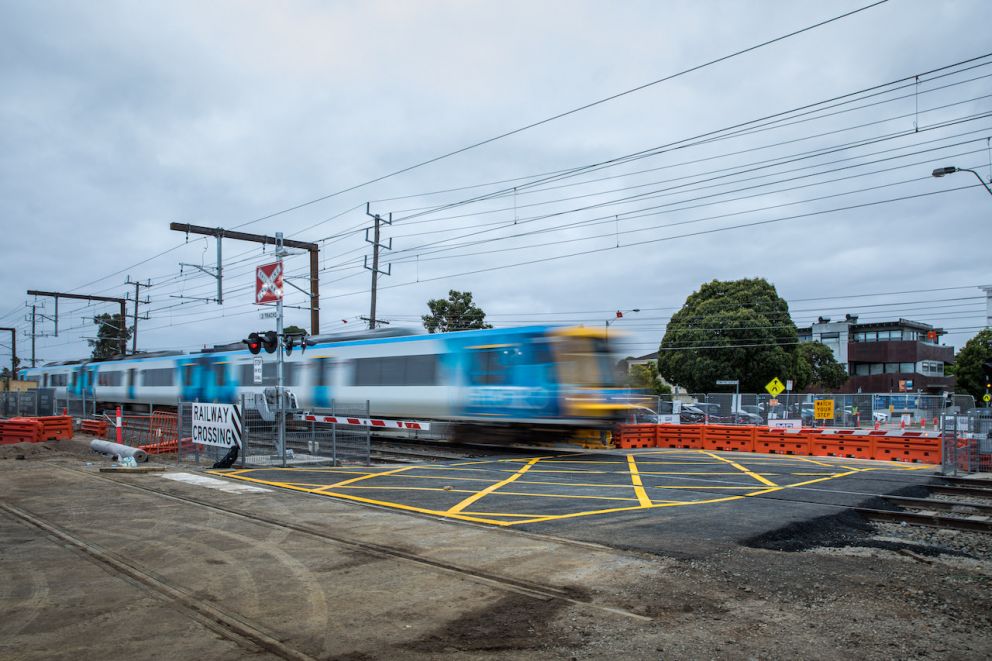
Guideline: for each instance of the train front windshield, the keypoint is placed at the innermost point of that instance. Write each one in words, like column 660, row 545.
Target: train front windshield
column 584, row 361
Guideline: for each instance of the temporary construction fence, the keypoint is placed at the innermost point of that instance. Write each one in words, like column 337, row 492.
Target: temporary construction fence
column 35, row 430
column 312, row 441
column 857, row 410
column 892, row 445
column 967, row 443
column 29, row 403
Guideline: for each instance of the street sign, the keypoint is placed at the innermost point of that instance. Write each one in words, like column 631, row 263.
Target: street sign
column 258, row 371
column 823, row 409
column 268, row 283
column 216, row 424
column 775, row 387
column 788, row 385
column 727, row 382
column 268, row 315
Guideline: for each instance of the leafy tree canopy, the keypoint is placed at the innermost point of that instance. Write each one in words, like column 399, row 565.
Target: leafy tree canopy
column 968, row 363
column 645, row 376
column 816, row 366
column 294, row 330
column 108, row 342
column 457, row 313
column 738, row 329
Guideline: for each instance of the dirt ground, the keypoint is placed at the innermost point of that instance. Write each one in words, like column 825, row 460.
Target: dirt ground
column 98, row 566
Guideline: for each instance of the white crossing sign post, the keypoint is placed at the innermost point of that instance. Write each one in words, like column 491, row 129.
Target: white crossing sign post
column 258, row 371
column 217, row 424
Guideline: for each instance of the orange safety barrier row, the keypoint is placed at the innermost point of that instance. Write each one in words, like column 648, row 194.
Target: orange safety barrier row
column 923, row 447
column 21, row 430
column 95, row 427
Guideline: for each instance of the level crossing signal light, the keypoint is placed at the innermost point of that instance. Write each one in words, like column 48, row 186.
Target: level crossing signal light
column 254, row 343
column 270, row 341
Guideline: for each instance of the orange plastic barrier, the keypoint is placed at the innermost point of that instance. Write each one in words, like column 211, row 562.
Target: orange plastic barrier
column 680, row 436
column 840, row 443
column 56, row 428
column 95, row 427
column 913, row 449
column 780, row 441
column 21, row 430
column 635, row 436
column 734, row 438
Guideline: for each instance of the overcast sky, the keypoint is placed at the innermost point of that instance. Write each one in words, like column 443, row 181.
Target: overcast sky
column 117, row 118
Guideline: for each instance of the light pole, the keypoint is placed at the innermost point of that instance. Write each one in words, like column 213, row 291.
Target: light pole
column 940, row 172
column 619, row 316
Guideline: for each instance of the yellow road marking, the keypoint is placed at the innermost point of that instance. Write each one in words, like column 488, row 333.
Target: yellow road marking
column 635, row 479
column 365, row 477
column 818, row 463
column 493, row 487
column 746, row 471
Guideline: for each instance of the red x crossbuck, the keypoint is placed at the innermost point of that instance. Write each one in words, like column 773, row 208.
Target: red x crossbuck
column 268, row 283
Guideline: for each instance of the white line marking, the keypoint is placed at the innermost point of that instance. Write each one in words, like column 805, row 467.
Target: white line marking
column 214, row 483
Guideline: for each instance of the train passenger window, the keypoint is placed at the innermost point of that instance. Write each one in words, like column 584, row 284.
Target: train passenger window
column 44, row 380
column 396, row 371
column 157, row 377
column 75, row 379
column 322, row 367
column 270, row 374
column 220, row 374
column 292, row 373
column 109, row 379
column 187, row 375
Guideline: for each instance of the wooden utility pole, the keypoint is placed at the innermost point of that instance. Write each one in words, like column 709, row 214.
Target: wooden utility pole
column 81, row 297
column 312, row 248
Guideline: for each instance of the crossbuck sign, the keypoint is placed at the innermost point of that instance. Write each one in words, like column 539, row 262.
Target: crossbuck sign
column 268, row 283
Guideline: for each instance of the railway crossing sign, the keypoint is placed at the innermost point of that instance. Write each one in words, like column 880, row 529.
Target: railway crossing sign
column 775, row 387
column 257, row 371
column 217, row 424
column 268, row 283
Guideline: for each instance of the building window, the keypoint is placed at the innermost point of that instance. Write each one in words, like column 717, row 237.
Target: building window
column 876, row 368
column 861, row 369
column 907, row 368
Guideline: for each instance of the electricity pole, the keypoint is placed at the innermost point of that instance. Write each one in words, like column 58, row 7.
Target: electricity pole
column 33, row 317
column 137, row 299
column 376, row 245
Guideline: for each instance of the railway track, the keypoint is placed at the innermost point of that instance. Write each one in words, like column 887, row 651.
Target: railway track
column 967, row 515
column 531, row 589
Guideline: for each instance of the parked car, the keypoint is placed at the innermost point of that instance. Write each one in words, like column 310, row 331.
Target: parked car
column 746, row 418
column 711, row 410
column 641, row 415
column 880, row 416
column 690, row 415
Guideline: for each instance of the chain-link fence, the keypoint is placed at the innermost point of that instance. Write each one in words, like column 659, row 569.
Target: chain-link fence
column 967, row 443
column 306, row 442
column 858, row 410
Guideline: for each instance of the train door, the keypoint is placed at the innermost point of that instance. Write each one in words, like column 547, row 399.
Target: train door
column 323, row 381
column 132, row 378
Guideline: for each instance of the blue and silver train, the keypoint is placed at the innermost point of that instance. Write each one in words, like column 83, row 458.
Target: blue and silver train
column 542, row 377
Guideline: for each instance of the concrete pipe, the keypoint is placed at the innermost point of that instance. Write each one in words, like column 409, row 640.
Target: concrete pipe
column 118, row 451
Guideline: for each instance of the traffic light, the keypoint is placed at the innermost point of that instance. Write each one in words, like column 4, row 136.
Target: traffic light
column 270, row 341
column 254, row 343
column 987, row 374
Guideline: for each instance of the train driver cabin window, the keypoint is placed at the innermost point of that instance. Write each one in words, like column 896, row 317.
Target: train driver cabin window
column 583, row 361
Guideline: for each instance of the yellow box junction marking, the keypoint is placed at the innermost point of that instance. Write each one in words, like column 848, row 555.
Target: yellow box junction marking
column 635, row 478
column 338, row 489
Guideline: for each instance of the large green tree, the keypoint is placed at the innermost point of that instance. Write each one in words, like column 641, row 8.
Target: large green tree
column 739, row 329
column 816, row 366
column 456, row 313
column 645, row 376
column 968, row 363
column 108, row 342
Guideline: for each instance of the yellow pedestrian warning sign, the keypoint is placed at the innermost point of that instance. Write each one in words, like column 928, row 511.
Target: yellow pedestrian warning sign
column 823, row 409
column 987, row 398
column 775, row 387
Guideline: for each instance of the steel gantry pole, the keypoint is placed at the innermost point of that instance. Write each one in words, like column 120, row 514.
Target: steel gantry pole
column 13, row 351
column 280, row 349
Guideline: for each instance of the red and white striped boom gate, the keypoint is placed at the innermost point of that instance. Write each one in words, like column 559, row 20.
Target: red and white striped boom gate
column 370, row 422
